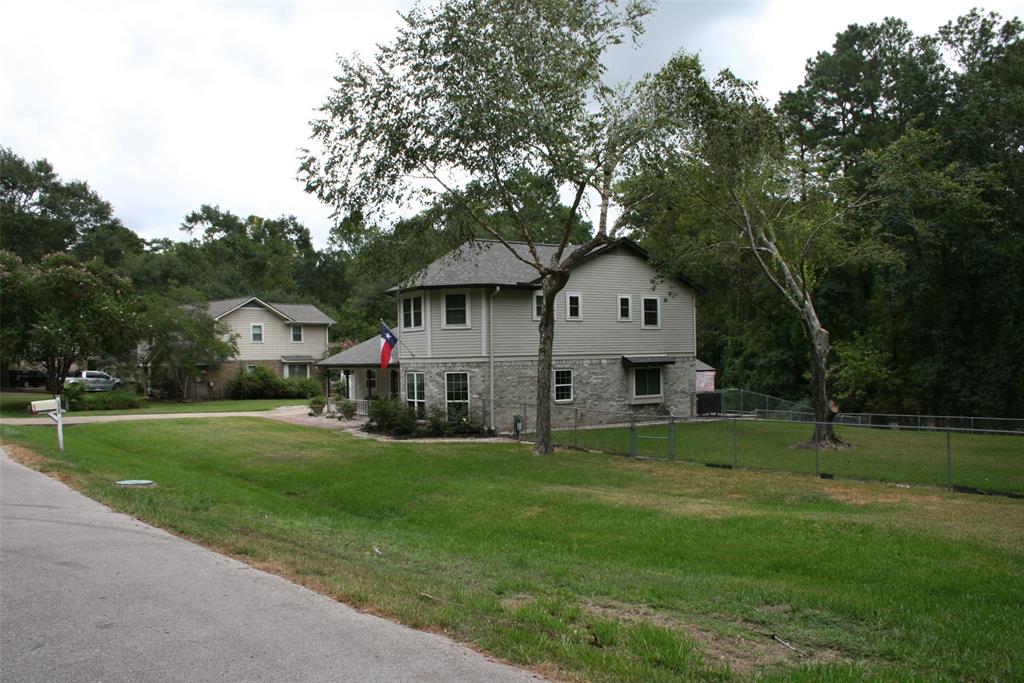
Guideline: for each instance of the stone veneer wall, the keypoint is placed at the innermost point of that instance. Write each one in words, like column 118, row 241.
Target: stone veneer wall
column 598, row 384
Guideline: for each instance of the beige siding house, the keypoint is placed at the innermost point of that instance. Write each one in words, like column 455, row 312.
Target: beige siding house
column 288, row 338
column 625, row 339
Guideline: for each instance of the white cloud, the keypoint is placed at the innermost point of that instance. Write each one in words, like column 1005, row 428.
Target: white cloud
column 164, row 107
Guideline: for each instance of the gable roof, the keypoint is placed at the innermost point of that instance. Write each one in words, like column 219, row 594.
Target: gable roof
column 488, row 263
column 363, row 354
column 294, row 313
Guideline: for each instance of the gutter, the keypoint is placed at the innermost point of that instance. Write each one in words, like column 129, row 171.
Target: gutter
column 490, row 353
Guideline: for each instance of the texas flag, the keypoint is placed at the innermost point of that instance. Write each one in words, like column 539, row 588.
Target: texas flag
column 387, row 342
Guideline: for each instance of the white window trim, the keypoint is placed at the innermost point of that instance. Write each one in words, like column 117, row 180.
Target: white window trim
column 533, row 304
column 647, row 398
column 252, row 328
column 288, row 370
column 412, row 315
column 444, row 310
column 415, row 400
column 643, row 321
column 250, row 368
column 618, row 308
column 446, row 401
column 555, row 385
column 302, row 333
column 569, row 295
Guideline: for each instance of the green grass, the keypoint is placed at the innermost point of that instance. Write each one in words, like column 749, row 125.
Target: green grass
column 980, row 461
column 15, row 404
column 588, row 566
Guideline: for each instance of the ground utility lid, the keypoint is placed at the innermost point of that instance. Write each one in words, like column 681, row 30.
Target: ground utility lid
column 135, row 482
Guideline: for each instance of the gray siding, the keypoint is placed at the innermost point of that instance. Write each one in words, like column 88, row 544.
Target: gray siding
column 600, row 282
column 456, row 343
column 276, row 336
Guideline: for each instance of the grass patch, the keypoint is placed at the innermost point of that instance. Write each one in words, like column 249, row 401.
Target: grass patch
column 15, row 404
column 584, row 565
column 980, row 461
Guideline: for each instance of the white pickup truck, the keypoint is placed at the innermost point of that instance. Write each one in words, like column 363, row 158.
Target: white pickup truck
column 94, row 380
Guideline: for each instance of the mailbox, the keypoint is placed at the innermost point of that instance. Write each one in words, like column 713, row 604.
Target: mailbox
column 44, row 406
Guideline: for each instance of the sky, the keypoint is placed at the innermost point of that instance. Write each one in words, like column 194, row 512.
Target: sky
column 165, row 106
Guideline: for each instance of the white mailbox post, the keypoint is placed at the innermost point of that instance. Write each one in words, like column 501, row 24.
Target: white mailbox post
column 52, row 408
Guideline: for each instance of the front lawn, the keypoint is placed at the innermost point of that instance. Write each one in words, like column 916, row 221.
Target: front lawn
column 15, row 404
column 587, row 566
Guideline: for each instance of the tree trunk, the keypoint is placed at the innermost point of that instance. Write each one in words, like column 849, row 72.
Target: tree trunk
column 551, row 284
column 824, row 435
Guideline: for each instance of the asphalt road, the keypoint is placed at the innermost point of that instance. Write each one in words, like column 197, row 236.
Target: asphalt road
column 88, row 594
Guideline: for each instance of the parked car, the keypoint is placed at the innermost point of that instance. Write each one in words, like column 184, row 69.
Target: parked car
column 94, row 380
column 27, row 378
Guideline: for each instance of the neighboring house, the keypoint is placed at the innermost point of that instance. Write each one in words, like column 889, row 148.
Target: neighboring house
column 625, row 339
column 287, row 338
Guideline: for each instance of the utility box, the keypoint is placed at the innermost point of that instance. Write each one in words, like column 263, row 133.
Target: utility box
column 44, row 406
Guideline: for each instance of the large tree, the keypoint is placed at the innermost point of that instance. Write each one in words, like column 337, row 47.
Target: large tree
column 470, row 98
column 66, row 312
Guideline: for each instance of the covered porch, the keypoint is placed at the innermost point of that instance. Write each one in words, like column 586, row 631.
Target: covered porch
column 359, row 376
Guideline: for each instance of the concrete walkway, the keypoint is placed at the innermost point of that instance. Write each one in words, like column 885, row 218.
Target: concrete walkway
column 90, row 594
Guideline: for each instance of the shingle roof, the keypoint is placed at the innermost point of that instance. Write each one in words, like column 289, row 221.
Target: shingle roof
column 480, row 263
column 364, row 354
column 489, row 263
column 296, row 313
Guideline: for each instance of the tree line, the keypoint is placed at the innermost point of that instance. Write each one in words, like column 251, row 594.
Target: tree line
column 866, row 229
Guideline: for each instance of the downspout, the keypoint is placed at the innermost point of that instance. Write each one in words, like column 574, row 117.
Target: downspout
column 490, row 353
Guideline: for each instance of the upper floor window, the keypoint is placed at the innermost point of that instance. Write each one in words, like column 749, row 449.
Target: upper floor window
column 652, row 312
column 256, row 333
column 296, row 333
column 412, row 313
column 573, row 306
column 625, row 307
column 456, row 310
column 538, row 305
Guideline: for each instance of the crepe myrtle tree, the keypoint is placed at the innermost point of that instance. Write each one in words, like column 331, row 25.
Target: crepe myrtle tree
column 469, row 98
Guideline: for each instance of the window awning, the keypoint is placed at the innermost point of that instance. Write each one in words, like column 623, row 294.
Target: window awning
column 633, row 361
column 298, row 359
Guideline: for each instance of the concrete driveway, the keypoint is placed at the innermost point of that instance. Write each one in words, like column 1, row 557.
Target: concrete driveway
column 90, row 594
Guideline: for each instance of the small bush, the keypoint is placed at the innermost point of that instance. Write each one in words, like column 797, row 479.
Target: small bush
column 395, row 418
column 300, row 387
column 77, row 399
column 391, row 416
column 74, row 396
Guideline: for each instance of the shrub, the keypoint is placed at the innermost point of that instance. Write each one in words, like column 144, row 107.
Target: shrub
column 74, row 396
column 260, row 382
column 391, row 416
column 301, row 387
column 119, row 399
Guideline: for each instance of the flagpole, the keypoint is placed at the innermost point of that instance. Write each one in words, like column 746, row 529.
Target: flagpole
column 398, row 338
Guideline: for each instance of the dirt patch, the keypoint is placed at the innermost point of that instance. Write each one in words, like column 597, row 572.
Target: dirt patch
column 676, row 504
column 744, row 652
column 24, row 456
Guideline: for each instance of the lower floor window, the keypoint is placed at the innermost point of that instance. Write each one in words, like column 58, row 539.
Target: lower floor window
column 250, row 368
column 563, row 385
column 415, row 393
column 646, row 382
column 393, row 385
column 371, row 384
column 296, row 370
column 456, row 388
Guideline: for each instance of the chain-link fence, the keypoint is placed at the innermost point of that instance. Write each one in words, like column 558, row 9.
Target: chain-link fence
column 982, row 460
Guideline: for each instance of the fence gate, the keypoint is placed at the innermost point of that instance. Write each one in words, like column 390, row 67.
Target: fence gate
column 636, row 435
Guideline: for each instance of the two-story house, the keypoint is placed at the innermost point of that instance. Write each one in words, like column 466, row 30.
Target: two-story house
column 287, row 338
column 625, row 339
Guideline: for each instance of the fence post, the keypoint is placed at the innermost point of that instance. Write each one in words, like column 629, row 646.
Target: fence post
column 576, row 429
column 671, row 437
column 632, row 435
column 524, row 417
column 735, row 457
column 817, row 458
column 949, row 459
